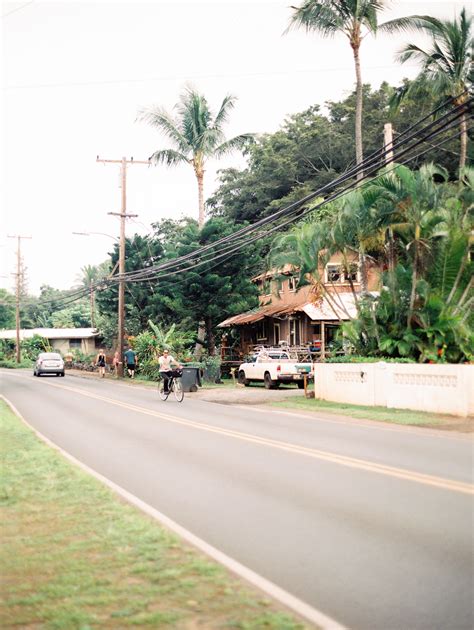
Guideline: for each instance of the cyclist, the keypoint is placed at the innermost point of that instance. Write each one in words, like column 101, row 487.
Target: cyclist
column 166, row 361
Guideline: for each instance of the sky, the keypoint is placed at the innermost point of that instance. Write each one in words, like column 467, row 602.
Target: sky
column 76, row 74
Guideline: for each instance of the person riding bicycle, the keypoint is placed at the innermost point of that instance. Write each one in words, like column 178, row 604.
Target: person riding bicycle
column 166, row 361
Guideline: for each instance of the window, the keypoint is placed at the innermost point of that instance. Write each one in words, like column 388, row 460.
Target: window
column 352, row 273
column 294, row 332
column 261, row 330
column 292, row 283
column 335, row 273
column 75, row 344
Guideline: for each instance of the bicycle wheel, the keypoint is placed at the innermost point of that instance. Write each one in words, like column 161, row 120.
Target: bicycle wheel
column 178, row 389
column 161, row 391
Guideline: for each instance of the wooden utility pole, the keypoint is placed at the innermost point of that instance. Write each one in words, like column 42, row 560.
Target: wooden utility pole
column 388, row 147
column 123, row 215
column 18, row 290
column 388, row 142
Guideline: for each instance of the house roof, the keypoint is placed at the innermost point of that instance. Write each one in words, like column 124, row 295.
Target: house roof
column 341, row 307
column 51, row 333
column 272, row 310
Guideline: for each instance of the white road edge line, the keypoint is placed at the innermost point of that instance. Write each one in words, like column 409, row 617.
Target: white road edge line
column 275, row 592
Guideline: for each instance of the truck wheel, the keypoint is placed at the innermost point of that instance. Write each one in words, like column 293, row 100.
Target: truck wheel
column 268, row 382
column 300, row 384
column 242, row 380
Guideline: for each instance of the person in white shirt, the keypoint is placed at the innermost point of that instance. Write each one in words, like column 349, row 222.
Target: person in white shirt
column 166, row 361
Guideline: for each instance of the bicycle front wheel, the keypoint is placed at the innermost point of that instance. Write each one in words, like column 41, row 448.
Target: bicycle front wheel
column 178, row 390
column 161, row 391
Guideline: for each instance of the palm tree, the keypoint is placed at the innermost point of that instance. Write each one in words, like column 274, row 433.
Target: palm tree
column 351, row 18
column 446, row 66
column 196, row 135
column 90, row 275
column 418, row 216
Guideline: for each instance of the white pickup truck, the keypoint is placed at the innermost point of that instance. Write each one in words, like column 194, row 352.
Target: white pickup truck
column 273, row 368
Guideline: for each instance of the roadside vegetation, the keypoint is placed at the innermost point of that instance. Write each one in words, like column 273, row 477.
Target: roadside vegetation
column 74, row 556
column 381, row 414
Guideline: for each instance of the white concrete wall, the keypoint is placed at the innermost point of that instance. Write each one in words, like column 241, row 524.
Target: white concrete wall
column 436, row 388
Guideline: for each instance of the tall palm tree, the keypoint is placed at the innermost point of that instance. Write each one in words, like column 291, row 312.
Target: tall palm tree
column 446, row 66
column 90, row 275
column 352, row 18
column 196, row 135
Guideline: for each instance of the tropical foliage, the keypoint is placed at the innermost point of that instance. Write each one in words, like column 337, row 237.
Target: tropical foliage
column 446, row 65
column 418, row 226
column 195, row 133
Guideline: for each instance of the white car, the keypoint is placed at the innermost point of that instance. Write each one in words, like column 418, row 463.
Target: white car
column 274, row 367
column 49, row 363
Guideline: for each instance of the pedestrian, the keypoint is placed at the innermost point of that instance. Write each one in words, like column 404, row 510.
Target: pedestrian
column 130, row 357
column 100, row 362
column 115, row 363
column 166, row 361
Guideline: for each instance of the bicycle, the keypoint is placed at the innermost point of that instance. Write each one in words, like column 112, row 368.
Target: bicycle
column 174, row 385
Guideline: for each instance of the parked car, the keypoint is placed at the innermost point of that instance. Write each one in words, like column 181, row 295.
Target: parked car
column 274, row 367
column 49, row 363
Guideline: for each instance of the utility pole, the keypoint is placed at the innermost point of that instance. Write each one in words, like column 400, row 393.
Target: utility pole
column 18, row 288
column 388, row 142
column 388, row 147
column 123, row 215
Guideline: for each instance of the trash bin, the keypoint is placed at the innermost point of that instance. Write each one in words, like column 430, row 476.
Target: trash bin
column 191, row 379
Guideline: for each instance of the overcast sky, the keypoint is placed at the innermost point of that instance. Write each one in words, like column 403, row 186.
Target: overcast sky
column 75, row 75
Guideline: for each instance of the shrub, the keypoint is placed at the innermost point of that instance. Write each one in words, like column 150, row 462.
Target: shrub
column 353, row 358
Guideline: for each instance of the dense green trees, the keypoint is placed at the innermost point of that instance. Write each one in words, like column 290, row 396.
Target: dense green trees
column 207, row 292
column 312, row 148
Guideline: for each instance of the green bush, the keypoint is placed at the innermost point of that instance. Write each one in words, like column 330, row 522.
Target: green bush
column 353, row 358
column 12, row 364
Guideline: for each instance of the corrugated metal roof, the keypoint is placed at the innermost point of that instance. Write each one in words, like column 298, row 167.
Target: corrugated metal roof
column 343, row 307
column 274, row 310
column 51, row 333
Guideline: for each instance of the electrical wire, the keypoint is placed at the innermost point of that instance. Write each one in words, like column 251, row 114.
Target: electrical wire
column 373, row 161
column 140, row 274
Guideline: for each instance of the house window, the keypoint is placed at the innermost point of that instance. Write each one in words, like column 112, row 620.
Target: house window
column 277, row 285
column 352, row 273
column 261, row 330
column 294, row 332
column 276, row 333
column 292, row 283
column 75, row 344
column 336, row 274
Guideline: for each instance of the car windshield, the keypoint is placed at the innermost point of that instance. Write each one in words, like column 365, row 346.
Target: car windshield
column 50, row 355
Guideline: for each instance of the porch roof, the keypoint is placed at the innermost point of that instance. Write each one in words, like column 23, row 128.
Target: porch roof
column 250, row 317
column 342, row 307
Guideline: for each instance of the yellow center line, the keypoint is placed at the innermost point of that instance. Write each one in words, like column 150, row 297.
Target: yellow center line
column 343, row 460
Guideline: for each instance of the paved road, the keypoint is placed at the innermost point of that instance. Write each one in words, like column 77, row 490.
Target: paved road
column 372, row 525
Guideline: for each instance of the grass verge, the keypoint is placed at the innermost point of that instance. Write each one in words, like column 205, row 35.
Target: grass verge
column 76, row 557
column 382, row 414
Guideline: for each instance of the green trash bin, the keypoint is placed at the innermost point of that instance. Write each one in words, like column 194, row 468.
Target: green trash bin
column 191, row 379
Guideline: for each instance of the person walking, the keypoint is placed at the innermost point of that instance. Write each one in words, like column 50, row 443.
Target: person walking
column 130, row 357
column 115, row 363
column 166, row 361
column 100, row 362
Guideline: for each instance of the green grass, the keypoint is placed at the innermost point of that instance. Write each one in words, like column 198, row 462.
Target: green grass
column 74, row 556
column 382, row 414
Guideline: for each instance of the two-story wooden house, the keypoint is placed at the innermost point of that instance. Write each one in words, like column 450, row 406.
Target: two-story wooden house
column 306, row 317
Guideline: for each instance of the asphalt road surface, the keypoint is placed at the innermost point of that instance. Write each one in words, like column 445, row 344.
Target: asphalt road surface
column 370, row 524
